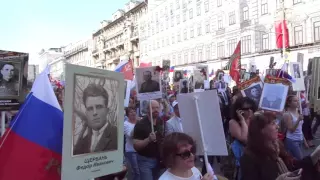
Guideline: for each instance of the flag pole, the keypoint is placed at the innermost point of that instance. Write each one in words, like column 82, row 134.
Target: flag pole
column 283, row 16
column 151, row 117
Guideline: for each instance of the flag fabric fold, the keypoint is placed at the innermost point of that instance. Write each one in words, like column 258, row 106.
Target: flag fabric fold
column 126, row 68
column 31, row 148
column 282, row 73
column 171, row 69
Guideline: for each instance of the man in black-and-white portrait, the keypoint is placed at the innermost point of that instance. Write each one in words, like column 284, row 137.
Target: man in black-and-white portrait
column 198, row 80
column 9, row 79
column 296, row 71
column 98, row 134
column 271, row 97
column 178, row 76
column 254, row 93
column 149, row 85
column 183, row 86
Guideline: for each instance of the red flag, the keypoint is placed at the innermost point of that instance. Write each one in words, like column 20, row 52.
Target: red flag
column 279, row 34
column 235, row 63
column 128, row 71
column 142, row 64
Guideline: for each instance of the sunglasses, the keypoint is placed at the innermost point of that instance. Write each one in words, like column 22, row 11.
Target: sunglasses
column 186, row 154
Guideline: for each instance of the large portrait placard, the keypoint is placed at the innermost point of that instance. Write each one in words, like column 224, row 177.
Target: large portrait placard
column 297, row 73
column 252, row 89
column 274, row 93
column 93, row 123
column 13, row 79
column 148, row 83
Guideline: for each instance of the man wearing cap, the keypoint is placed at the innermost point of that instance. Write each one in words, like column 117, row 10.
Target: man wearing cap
column 149, row 85
column 174, row 124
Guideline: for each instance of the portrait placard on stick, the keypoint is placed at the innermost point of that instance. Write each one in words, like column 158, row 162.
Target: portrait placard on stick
column 127, row 88
column 93, row 123
column 212, row 128
column 252, row 89
column 184, row 86
column 13, row 79
column 148, row 83
column 297, row 73
column 274, row 93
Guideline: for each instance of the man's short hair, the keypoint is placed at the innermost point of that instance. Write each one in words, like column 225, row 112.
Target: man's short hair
column 147, row 73
column 6, row 63
column 94, row 90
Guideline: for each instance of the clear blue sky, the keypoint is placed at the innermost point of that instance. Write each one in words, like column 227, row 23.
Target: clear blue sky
column 30, row 25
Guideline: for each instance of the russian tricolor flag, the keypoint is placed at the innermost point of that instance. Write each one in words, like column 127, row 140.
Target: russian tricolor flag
column 31, row 148
column 282, row 73
column 211, row 74
column 171, row 69
column 185, row 72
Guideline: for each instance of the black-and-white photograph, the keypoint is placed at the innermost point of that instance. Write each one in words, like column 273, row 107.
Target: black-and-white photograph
column 272, row 72
column 166, row 65
column 144, row 107
column 95, row 115
column 296, row 71
column 178, row 75
column 273, row 97
column 198, row 79
column 184, row 86
column 254, row 92
column 148, row 83
column 94, row 130
column 9, row 78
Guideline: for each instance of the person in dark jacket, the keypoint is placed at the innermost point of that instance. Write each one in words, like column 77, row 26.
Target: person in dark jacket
column 265, row 157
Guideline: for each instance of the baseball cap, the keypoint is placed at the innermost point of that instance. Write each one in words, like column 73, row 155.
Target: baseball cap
column 174, row 103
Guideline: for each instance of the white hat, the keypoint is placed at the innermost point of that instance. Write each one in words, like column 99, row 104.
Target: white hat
column 174, row 103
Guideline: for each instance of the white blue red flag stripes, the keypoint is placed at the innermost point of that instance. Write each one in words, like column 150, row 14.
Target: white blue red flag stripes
column 31, row 148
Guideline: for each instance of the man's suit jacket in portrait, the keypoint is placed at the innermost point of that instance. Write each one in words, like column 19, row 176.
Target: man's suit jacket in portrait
column 173, row 125
column 107, row 142
column 271, row 104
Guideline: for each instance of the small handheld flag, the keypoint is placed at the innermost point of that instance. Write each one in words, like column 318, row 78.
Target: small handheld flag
column 31, row 148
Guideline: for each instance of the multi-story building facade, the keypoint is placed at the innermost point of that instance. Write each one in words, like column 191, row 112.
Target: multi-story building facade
column 79, row 53
column 207, row 31
column 47, row 56
column 118, row 39
column 57, row 68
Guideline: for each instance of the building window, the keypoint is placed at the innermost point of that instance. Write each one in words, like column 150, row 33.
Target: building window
column 172, row 21
column 158, row 44
column 206, row 6
column 190, row 13
column 208, row 27
column 178, row 4
column 173, row 39
column 191, row 32
column 200, row 55
column 178, row 19
column 174, row 59
column 296, row 1
column 232, row 18
column 179, row 36
column 185, row 36
column 264, row 7
column 184, row 16
column 192, row 56
column 185, row 57
column 219, row 3
column 231, row 46
column 208, row 52
column 246, row 44
column 265, row 41
column 167, row 24
column 198, row 10
column 316, row 28
column 179, row 59
column 168, row 41
column 199, row 30
column 220, row 23
column 298, row 35
column 245, row 13
column 220, row 49
column 184, row 4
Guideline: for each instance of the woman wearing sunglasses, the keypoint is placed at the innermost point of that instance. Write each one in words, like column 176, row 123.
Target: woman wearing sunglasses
column 178, row 154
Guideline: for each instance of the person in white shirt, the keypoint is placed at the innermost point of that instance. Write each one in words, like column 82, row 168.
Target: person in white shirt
column 178, row 154
column 174, row 124
column 130, row 152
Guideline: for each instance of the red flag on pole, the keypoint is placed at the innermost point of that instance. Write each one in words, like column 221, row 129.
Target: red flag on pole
column 279, row 34
column 235, row 63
